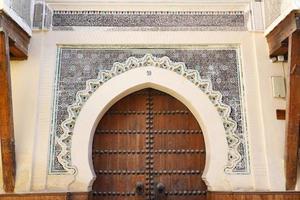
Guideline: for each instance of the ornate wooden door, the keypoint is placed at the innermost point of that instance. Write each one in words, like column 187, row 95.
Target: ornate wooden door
column 148, row 146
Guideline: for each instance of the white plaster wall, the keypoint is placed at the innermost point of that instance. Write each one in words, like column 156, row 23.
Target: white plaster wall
column 274, row 134
column 276, row 10
column 25, row 86
column 6, row 6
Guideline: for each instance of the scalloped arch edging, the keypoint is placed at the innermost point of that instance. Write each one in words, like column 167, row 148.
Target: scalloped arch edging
column 215, row 97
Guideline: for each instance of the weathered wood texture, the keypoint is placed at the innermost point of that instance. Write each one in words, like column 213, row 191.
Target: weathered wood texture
column 293, row 111
column 6, row 117
column 14, row 42
column 253, row 196
column 149, row 137
column 210, row 196
column 46, row 196
column 278, row 38
column 18, row 38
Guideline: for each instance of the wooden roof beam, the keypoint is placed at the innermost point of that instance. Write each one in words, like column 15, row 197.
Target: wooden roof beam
column 278, row 38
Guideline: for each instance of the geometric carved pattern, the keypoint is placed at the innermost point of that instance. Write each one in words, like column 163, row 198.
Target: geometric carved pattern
column 215, row 97
column 151, row 20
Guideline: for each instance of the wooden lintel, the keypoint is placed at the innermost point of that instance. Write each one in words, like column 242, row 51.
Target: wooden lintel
column 6, row 117
column 277, row 39
column 292, row 112
column 18, row 38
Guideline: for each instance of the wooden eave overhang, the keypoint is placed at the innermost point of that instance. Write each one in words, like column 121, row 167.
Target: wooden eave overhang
column 278, row 37
column 18, row 38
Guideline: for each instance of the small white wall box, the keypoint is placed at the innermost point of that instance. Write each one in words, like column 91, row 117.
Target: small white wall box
column 278, row 86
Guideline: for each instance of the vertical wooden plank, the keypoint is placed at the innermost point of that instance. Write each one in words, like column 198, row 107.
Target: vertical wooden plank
column 6, row 117
column 292, row 112
column 121, row 130
column 181, row 162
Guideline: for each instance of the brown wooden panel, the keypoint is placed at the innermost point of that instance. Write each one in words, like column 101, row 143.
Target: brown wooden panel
column 119, row 149
column 181, row 182
column 167, row 103
column 179, row 157
column 254, row 196
column 14, row 43
column 118, row 197
column 211, row 196
column 181, row 142
column 175, row 122
column 117, row 183
column 149, row 137
column 179, row 162
column 137, row 122
column 119, row 162
column 6, row 117
column 134, row 102
column 46, row 196
column 120, row 141
column 293, row 113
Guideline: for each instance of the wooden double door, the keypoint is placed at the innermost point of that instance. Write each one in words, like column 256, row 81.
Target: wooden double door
column 148, row 146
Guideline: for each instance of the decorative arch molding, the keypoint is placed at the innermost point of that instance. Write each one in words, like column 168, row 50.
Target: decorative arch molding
column 131, row 71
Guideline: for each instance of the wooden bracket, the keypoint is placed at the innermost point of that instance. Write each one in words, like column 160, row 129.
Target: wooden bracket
column 278, row 38
column 18, row 38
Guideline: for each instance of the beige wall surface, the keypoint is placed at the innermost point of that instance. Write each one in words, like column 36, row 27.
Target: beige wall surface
column 276, row 10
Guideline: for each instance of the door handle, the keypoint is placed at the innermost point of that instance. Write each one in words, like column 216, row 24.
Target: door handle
column 139, row 188
column 160, row 188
